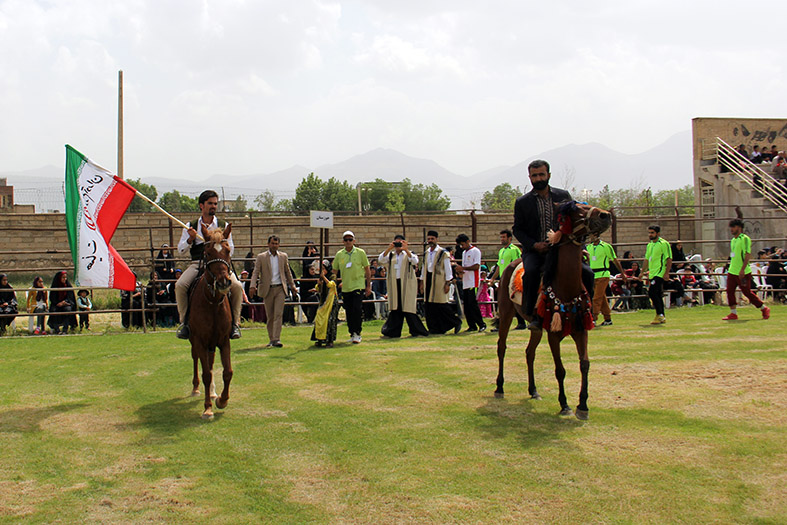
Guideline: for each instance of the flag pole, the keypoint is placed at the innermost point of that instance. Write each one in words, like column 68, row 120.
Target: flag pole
column 165, row 212
column 120, row 123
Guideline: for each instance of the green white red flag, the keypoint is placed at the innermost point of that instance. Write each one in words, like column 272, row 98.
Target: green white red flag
column 95, row 202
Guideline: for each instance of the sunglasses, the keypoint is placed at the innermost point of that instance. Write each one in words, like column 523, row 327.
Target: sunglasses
column 348, row 239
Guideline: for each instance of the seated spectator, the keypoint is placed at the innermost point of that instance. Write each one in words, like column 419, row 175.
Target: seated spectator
column 621, row 290
column 311, row 256
column 779, row 166
column 155, row 294
column 63, row 302
column 131, row 300
column 688, row 281
column 626, row 261
column 165, row 263
column 36, row 303
column 8, row 304
column 777, row 277
column 637, row 287
column 756, row 156
column 678, row 256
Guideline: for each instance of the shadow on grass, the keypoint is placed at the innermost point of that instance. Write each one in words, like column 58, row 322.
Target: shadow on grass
column 29, row 419
column 169, row 417
column 531, row 428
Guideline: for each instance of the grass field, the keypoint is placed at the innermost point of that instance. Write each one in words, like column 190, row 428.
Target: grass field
column 687, row 424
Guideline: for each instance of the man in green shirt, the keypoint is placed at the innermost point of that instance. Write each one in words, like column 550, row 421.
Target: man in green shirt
column 601, row 254
column 507, row 254
column 739, row 273
column 353, row 267
column 658, row 260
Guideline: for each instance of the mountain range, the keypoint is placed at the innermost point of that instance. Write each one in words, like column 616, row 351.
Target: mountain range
column 586, row 166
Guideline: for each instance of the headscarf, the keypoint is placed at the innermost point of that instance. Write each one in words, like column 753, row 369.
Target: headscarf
column 7, row 294
column 60, row 295
column 41, row 294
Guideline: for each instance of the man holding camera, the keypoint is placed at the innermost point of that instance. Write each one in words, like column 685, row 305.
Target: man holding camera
column 402, row 289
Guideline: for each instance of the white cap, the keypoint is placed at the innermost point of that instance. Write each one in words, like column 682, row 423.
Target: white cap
column 348, row 232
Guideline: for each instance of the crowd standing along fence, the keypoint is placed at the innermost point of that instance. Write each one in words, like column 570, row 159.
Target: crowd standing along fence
column 38, row 242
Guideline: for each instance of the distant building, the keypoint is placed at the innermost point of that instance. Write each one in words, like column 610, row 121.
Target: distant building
column 7, row 200
column 718, row 189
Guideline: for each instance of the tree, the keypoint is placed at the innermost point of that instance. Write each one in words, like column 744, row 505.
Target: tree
column 265, row 201
column 315, row 194
column 501, row 198
column 148, row 190
column 175, row 202
column 239, row 204
column 380, row 195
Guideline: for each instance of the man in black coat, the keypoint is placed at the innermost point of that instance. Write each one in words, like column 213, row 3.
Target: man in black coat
column 534, row 216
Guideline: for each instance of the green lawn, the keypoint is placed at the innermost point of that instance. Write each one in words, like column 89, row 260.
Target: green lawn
column 687, row 424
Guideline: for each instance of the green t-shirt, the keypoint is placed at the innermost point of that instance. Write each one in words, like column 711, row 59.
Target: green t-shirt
column 351, row 265
column 657, row 254
column 739, row 247
column 506, row 256
column 601, row 255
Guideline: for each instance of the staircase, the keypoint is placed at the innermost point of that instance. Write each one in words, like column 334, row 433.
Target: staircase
column 751, row 176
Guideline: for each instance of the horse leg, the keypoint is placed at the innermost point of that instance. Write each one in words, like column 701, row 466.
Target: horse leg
column 206, row 358
column 581, row 340
column 506, row 313
column 560, row 371
column 226, row 375
column 530, row 353
column 195, row 379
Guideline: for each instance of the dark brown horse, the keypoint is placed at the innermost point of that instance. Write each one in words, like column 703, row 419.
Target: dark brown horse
column 210, row 318
column 563, row 303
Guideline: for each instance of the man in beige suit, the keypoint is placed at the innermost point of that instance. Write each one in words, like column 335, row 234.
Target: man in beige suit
column 272, row 272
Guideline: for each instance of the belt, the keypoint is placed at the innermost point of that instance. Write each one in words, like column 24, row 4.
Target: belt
column 273, row 285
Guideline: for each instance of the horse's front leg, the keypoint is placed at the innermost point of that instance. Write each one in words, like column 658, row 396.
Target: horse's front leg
column 222, row 401
column 195, row 379
column 581, row 340
column 530, row 354
column 560, row 371
column 206, row 358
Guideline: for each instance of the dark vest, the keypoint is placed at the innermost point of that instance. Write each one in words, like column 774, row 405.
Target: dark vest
column 198, row 250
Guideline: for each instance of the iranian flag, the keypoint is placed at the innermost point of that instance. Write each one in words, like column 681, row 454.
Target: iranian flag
column 95, row 202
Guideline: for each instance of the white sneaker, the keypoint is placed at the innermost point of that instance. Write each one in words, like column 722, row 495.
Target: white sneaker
column 355, row 339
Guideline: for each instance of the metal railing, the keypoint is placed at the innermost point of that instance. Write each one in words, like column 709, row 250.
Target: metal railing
column 757, row 178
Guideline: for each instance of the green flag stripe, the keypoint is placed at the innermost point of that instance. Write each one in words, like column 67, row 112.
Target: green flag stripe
column 74, row 162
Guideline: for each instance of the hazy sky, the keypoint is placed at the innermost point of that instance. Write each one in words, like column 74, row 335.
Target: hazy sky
column 242, row 87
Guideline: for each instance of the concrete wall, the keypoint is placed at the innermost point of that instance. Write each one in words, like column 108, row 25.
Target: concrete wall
column 29, row 235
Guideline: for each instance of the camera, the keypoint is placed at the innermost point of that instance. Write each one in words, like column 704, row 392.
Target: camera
column 398, row 244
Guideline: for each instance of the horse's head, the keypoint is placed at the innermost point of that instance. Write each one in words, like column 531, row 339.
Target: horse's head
column 217, row 261
column 579, row 220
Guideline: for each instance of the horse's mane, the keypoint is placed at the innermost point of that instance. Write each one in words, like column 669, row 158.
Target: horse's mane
column 215, row 236
column 564, row 211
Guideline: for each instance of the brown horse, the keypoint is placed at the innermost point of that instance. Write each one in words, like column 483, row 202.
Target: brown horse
column 563, row 303
column 210, row 318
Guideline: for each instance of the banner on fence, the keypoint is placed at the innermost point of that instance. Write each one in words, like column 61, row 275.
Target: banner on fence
column 95, row 202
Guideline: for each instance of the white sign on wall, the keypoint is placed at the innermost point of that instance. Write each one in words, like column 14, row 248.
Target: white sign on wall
column 321, row 219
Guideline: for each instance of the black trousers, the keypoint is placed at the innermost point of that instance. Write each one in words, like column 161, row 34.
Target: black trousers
column 396, row 318
column 656, row 294
column 534, row 269
column 353, row 310
column 440, row 317
column 472, row 311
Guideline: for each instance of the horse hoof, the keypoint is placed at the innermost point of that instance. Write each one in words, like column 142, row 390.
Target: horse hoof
column 566, row 412
column 536, row 396
column 208, row 414
column 214, row 396
column 582, row 415
column 500, row 395
column 220, row 404
column 195, row 392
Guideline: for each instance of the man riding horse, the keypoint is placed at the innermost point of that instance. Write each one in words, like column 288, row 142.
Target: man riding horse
column 195, row 246
column 534, row 217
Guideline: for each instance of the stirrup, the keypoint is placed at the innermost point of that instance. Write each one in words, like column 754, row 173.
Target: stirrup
column 235, row 333
column 183, row 331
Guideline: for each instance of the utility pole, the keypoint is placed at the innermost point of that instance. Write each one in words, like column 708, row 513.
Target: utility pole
column 120, row 123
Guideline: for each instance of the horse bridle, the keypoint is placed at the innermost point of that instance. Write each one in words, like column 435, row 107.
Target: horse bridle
column 213, row 286
column 581, row 226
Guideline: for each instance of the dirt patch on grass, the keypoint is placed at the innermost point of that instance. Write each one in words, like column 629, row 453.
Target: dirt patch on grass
column 91, row 426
